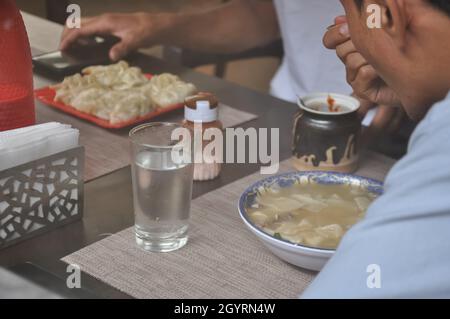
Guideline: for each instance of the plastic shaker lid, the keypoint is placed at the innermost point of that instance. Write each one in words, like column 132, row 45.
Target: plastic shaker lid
column 202, row 107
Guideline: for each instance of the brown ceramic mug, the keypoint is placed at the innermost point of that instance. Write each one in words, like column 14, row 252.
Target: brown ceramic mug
column 326, row 133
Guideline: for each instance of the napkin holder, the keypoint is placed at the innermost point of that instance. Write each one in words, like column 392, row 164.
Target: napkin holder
column 41, row 195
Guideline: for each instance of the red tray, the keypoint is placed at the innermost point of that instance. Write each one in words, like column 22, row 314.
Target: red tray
column 47, row 96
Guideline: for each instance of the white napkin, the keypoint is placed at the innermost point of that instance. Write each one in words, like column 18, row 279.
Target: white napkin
column 30, row 143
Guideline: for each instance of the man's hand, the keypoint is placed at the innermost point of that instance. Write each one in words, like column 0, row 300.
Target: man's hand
column 135, row 30
column 371, row 90
column 361, row 75
column 387, row 119
column 207, row 30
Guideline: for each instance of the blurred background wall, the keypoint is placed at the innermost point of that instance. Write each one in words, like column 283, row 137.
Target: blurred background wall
column 253, row 72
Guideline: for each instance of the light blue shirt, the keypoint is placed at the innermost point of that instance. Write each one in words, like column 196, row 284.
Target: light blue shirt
column 402, row 248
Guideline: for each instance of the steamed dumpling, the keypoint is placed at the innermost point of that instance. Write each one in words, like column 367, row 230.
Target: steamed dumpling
column 167, row 89
column 119, row 93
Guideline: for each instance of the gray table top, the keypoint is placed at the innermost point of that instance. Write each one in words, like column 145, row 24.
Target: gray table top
column 12, row 287
column 108, row 207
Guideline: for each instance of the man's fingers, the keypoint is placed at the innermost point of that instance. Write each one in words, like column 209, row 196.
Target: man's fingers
column 363, row 82
column 353, row 62
column 340, row 19
column 90, row 27
column 119, row 50
column 67, row 30
column 65, row 42
column 336, row 35
column 345, row 49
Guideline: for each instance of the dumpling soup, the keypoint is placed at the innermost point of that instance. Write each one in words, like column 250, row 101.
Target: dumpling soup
column 311, row 214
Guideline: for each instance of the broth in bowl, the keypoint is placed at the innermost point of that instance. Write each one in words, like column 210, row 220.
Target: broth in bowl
column 313, row 215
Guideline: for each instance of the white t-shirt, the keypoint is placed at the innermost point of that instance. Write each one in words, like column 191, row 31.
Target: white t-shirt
column 308, row 66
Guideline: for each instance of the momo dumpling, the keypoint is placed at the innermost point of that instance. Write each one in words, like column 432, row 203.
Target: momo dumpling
column 87, row 100
column 119, row 93
column 167, row 89
column 310, row 214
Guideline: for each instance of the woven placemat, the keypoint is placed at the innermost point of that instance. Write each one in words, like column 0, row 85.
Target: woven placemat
column 105, row 148
column 221, row 260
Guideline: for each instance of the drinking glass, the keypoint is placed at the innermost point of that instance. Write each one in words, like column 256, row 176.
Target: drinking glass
column 162, row 188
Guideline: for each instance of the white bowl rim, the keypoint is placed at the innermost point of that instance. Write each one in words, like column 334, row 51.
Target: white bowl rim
column 351, row 103
column 282, row 241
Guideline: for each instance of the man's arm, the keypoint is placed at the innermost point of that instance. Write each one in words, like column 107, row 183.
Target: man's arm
column 234, row 27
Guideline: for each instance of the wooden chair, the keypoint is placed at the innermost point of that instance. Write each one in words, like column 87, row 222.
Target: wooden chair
column 194, row 59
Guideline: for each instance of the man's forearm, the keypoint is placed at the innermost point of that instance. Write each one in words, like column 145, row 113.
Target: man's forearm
column 233, row 27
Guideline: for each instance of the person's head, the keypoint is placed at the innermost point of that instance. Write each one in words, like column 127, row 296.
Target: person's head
column 411, row 50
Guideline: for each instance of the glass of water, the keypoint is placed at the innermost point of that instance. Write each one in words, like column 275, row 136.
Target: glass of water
column 162, row 188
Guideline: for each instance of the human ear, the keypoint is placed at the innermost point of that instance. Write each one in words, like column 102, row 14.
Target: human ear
column 394, row 20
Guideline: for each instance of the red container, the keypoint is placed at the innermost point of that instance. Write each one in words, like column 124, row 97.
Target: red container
column 16, row 73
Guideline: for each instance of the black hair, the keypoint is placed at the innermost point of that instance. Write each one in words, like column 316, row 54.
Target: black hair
column 443, row 5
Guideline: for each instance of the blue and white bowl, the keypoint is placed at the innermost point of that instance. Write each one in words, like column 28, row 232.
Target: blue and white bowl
column 302, row 256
